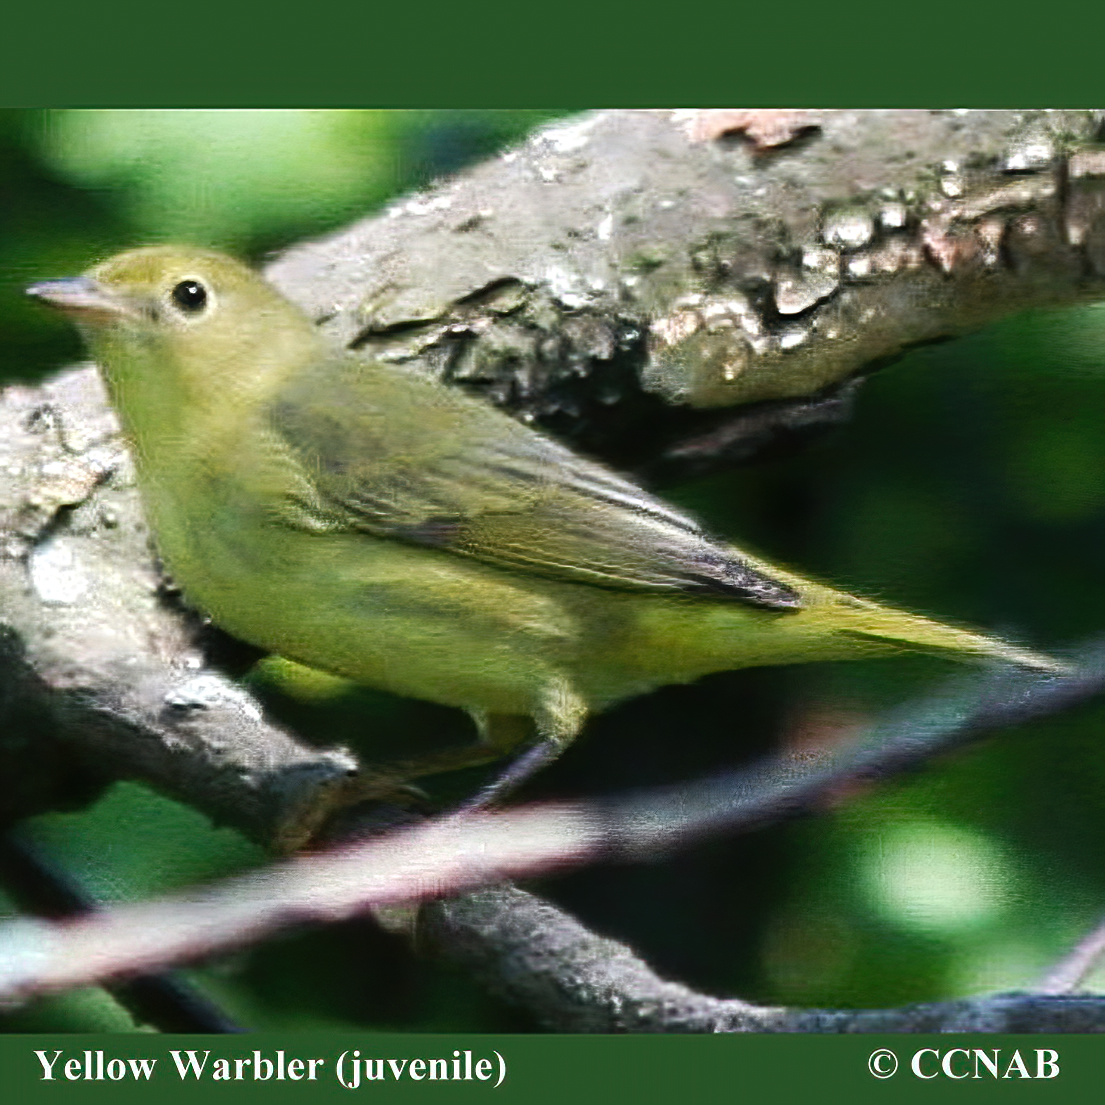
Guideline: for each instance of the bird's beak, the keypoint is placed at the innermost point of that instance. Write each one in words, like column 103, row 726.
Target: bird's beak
column 84, row 298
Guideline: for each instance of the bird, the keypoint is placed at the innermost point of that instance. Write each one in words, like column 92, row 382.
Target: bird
column 376, row 524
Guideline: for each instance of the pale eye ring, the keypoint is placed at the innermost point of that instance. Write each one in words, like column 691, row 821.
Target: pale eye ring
column 190, row 296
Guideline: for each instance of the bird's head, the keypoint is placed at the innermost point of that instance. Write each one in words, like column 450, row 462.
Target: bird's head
column 188, row 322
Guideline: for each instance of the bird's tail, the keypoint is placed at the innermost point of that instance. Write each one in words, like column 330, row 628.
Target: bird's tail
column 862, row 619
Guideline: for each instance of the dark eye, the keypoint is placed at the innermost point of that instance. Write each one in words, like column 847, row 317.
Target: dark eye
column 190, row 296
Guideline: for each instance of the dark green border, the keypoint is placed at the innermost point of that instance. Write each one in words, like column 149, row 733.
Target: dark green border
column 582, row 1069
column 562, row 55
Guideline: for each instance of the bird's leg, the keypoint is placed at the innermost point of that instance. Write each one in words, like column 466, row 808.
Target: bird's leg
column 553, row 726
column 499, row 735
column 512, row 776
column 557, row 723
column 394, row 775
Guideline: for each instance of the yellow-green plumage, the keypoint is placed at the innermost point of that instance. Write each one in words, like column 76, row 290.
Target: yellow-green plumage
column 361, row 520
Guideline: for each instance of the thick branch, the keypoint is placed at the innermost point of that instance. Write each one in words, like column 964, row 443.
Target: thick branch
column 623, row 264
column 534, row 955
column 99, row 672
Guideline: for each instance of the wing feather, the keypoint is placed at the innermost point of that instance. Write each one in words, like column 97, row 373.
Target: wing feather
column 398, row 457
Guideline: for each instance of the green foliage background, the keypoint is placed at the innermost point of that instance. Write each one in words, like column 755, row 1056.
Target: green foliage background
column 970, row 485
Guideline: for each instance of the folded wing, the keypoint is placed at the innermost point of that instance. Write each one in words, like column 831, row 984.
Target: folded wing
column 398, row 457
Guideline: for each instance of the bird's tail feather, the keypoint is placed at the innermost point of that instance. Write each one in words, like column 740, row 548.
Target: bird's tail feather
column 864, row 618
column 912, row 631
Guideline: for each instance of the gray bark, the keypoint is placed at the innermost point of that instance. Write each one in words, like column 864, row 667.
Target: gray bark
column 573, row 980
column 104, row 676
column 621, row 273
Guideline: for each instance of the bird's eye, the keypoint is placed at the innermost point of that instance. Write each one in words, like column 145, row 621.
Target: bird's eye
column 190, row 296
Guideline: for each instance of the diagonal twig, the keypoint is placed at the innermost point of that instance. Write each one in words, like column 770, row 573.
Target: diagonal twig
column 163, row 999
column 1067, row 975
column 749, row 798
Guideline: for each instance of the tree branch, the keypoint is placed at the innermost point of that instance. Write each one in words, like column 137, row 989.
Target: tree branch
column 1065, row 977
column 534, row 955
column 964, row 711
column 164, row 1000
column 622, row 271
column 102, row 678
column 526, row 948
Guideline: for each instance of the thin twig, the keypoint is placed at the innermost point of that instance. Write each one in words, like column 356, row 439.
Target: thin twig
column 1067, row 975
column 163, row 1000
column 781, row 787
column 442, row 857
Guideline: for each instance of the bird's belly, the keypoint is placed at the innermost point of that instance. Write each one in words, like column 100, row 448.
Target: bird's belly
column 435, row 625
column 413, row 621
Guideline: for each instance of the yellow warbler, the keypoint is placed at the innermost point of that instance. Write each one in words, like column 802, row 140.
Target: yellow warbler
column 377, row 525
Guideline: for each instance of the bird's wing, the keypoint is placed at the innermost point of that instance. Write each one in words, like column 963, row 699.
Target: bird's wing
column 391, row 455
